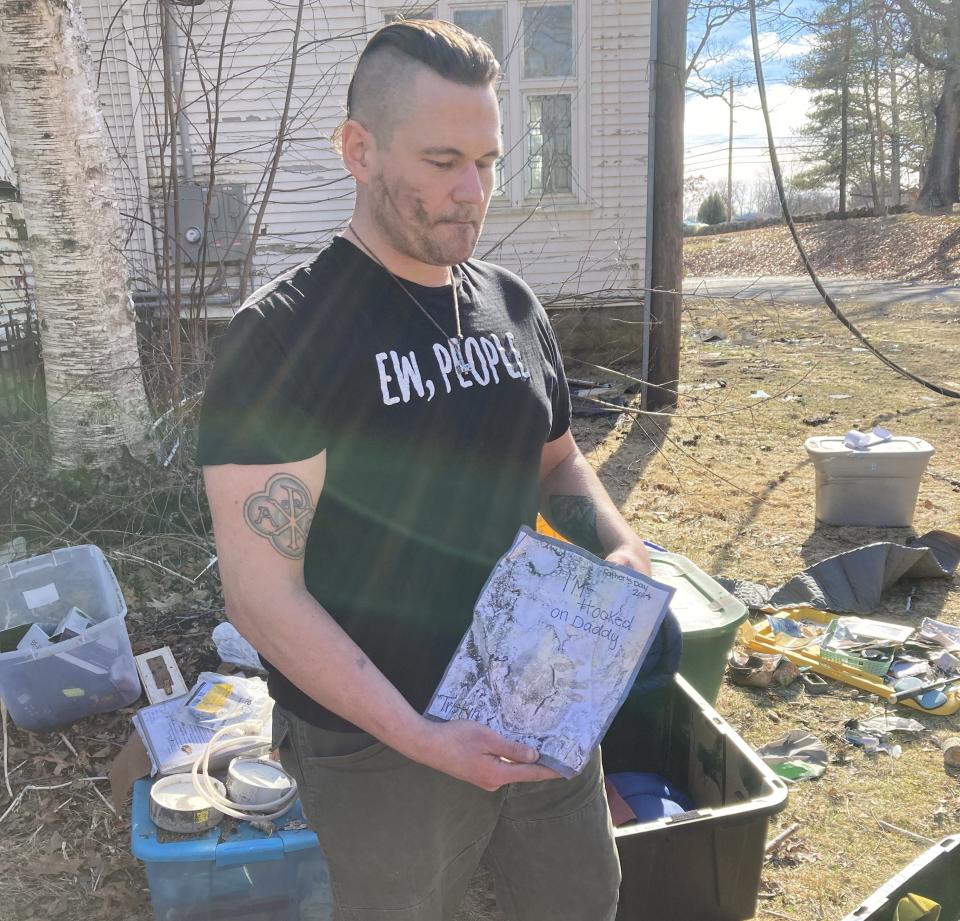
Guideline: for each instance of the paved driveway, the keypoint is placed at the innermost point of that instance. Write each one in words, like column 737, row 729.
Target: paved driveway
column 842, row 290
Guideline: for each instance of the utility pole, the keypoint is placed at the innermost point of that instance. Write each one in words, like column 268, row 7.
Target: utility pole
column 666, row 260
column 730, row 160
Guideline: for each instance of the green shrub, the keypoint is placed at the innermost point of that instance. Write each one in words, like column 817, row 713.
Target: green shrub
column 713, row 209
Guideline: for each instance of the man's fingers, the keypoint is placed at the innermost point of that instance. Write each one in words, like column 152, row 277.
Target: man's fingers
column 524, row 773
column 512, row 750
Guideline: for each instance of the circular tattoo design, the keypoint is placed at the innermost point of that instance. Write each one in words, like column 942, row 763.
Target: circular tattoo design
column 282, row 513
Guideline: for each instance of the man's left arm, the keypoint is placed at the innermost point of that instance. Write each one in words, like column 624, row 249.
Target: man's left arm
column 575, row 503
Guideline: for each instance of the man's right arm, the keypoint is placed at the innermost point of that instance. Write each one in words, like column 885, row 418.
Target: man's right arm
column 261, row 516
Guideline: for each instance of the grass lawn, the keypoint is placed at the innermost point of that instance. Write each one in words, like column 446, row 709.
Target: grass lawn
column 724, row 481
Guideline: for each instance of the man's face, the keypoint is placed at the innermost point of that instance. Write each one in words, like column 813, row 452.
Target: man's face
column 431, row 184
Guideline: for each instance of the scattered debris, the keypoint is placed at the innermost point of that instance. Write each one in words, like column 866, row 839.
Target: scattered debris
column 856, row 579
column 774, row 844
column 710, row 335
column 820, row 420
column 761, row 670
column 951, row 752
column 588, row 398
column 797, row 756
column 888, row 826
column 235, row 650
column 160, row 675
column 718, row 384
column 813, row 683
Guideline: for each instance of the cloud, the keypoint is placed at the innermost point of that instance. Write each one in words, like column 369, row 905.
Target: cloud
column 773, row 46
column 706, row 127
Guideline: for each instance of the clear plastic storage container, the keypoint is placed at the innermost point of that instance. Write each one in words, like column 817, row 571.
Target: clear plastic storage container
column 92, row 672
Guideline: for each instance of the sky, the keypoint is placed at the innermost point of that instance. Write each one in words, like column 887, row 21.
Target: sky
column 706, row 122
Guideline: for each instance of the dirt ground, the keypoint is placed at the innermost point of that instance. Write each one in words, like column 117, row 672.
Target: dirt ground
column 724, row 481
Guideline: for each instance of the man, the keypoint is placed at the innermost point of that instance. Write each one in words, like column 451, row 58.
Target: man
column 380, row 422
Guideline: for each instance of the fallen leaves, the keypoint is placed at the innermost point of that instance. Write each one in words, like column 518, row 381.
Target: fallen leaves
column 910, row 247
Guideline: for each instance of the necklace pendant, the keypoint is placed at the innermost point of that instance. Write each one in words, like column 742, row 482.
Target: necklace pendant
column 459, row 362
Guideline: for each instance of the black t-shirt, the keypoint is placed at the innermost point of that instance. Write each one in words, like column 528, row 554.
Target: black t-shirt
column 430, row 469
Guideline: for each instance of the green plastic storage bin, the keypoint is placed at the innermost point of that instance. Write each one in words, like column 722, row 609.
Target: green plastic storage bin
column 705, row 864
column 935, row 874
column 709, row 617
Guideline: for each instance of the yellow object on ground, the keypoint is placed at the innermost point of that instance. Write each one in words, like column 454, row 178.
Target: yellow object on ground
column 916, row 908
column 802, row 652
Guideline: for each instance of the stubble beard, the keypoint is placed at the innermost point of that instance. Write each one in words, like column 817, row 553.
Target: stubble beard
column 413, row 233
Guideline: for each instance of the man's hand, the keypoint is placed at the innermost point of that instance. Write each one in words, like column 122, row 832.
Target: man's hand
column 475, row 753
column 633, row 555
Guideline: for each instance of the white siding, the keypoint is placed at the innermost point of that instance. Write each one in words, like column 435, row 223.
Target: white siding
column 596, row 243
column 599, row 244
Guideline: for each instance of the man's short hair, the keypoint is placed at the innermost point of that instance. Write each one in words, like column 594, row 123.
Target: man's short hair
column 392, row 57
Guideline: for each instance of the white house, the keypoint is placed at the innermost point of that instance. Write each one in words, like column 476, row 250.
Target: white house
column 571, row 209
column 14, row 298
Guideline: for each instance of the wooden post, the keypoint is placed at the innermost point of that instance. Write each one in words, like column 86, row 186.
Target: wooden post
column 666, row 277
column 730, row 160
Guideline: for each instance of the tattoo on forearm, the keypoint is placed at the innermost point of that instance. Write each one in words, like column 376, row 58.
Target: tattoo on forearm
column 281, row 513
column 575, row 517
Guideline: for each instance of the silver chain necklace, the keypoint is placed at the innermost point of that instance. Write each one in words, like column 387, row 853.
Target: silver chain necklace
column 455, row 343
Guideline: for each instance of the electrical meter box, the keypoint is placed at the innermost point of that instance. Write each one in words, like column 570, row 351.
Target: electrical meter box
column 227, row 224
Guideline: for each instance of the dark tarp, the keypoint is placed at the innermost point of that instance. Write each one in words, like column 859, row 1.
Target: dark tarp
column 855, row 580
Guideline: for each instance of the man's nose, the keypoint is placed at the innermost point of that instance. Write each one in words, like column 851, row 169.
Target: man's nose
column 469, row 188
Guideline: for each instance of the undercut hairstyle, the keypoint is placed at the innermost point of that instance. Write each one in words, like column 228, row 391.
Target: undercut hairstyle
column 379, row 93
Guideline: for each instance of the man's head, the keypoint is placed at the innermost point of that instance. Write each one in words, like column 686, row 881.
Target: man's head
column 422, row 137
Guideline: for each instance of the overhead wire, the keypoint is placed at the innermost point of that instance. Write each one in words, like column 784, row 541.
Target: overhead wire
column 788, row 217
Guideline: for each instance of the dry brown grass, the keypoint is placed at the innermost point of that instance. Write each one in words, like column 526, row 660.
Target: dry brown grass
column 725, row 482
column 735, row 494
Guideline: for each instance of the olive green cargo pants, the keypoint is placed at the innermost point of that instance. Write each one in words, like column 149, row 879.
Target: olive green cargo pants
column 402, row 840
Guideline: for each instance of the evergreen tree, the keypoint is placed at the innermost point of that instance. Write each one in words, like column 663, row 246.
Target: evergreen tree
column 840, row 123
column 713, row 209
column 882, row 105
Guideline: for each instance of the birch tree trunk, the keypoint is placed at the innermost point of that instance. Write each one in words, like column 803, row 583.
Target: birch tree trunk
column 95, row 395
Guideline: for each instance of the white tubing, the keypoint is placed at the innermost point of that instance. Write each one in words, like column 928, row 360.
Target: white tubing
column 200, row 775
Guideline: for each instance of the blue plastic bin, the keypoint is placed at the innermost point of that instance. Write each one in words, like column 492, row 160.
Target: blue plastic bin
column 232, row 872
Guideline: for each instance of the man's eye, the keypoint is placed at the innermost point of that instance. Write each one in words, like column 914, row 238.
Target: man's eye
column 486, row 165
column 441, row 164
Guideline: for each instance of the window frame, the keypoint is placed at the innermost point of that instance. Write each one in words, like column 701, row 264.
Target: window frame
column 516, row 89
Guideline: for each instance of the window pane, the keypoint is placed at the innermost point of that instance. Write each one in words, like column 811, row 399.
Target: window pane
column 548, row 41
column 412, row 11
column 487, row 24
column 499, row 178
column 550, row 143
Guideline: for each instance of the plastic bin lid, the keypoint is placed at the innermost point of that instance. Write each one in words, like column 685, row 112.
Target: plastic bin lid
column 899, row 444
column 700, row 602
column 243, row 843
column 43, row 588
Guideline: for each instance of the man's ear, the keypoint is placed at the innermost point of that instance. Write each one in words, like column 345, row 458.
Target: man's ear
column 356, row 148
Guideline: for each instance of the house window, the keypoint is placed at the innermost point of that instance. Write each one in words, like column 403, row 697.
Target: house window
column 549, row 144
column 548, row 47
column 488, row 24
column 541, row 46
column 411, row 11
